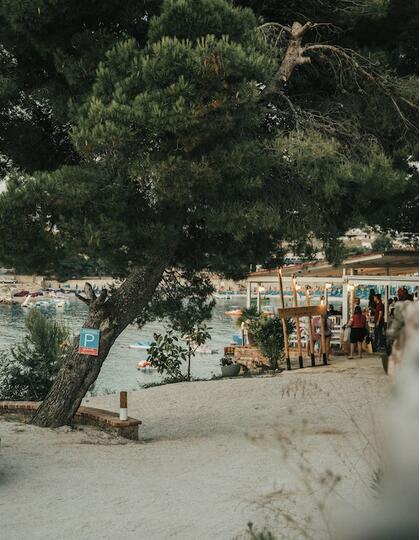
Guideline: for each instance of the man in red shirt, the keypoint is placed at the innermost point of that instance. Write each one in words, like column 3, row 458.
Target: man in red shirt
column 379, row 321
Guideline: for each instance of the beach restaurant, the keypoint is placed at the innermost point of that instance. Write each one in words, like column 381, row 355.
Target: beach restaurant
column 384, row 272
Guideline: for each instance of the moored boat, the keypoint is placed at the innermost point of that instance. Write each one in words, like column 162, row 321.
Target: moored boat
column 140, row 345
column 205, row 349
column 145, row 365
column 235, row 311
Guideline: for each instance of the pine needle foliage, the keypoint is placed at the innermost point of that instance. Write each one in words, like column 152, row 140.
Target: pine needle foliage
column 167, row 139
column 28, row 370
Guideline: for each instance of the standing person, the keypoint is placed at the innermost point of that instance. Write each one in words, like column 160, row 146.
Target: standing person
column 332, row 311
column 371, row 301
column 358, row 330
column 316, row 333
column 327, row 333
column 391, row 307
column 407, row 295
column 379, row 321
column 402, row 294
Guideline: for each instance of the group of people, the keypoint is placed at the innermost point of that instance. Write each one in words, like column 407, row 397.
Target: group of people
column 359, row 322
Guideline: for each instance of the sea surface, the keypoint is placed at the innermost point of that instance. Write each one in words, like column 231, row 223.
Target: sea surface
column 119, row 371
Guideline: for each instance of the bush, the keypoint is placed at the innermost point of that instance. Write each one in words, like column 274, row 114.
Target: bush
column 28, row 370
column 167, row 355
column 268, row 334
column 247, row 316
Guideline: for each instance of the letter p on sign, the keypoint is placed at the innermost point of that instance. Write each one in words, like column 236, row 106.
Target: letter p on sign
column 89, row 341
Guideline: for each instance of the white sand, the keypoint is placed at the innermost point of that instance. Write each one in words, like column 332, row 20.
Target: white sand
column 214, row 455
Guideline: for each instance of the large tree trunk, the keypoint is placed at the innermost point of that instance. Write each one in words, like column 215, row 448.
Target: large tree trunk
column 111, row 316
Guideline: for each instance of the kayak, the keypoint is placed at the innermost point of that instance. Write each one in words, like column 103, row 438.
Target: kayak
column 145, row 365
column 140, row 345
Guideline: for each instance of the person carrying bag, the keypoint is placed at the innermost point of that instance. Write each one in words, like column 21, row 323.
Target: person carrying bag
column 358, row 325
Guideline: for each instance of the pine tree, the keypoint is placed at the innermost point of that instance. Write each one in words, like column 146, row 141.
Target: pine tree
column 202, row 147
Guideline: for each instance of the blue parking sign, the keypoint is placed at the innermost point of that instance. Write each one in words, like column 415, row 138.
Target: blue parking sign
column 89, row 341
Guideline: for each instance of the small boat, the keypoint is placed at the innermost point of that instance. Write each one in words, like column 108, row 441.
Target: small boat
column 140, row 345
column 43, row 303
column 205, row 349
column 21, row 294
column 235, row 311
column 145, row 365
column 59, row 302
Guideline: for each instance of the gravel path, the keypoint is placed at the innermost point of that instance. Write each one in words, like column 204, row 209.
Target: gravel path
column 213, row 456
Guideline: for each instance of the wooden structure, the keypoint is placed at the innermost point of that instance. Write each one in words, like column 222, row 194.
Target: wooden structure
column 301, row 311
column 296, row 312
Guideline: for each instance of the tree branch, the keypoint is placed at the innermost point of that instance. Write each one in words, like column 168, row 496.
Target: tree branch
column 271, row 25
column 89, row 292
column 90, row 297
column 297, row 54
column 102, row 296
column 293, row 57
column 83, row 299
column 359, row 64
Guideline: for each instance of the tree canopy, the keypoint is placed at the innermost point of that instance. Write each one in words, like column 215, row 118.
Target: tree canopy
column 126, row 133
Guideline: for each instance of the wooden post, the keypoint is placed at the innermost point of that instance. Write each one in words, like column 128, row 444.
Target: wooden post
column 311, row 334
column 322, row 328
column 123, row 406
column 297, row 321
column 285, row 337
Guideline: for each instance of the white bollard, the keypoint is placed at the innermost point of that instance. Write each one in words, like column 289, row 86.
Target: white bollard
column 123, row 406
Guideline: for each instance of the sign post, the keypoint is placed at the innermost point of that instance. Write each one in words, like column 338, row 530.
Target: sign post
column 89, row 341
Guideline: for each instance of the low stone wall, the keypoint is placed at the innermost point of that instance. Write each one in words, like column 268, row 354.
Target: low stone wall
column 106, row 420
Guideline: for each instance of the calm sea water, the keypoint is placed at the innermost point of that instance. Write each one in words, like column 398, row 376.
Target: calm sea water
column 120, row 368
column 119, row 371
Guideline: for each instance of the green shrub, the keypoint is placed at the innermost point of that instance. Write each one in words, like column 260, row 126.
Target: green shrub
column 167, row 354
column 247, row 316
column 268, row 334
column 28, row 370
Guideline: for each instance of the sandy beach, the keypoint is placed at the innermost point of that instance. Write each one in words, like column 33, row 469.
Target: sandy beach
column 212, row 456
